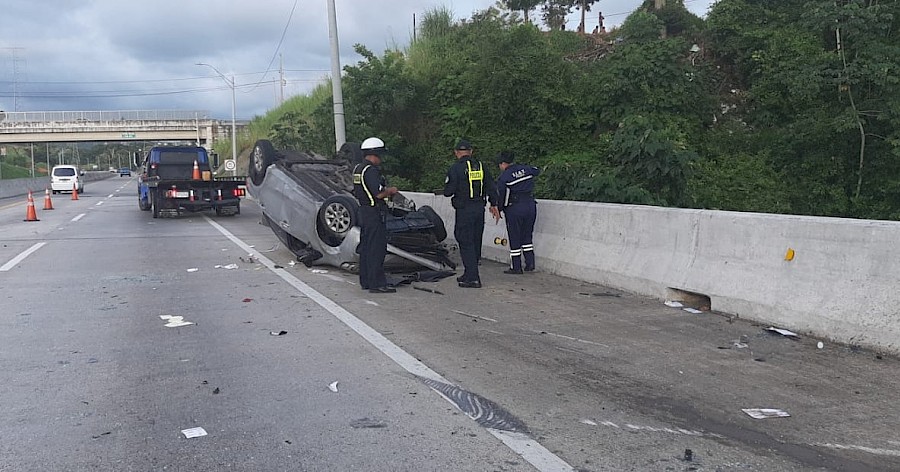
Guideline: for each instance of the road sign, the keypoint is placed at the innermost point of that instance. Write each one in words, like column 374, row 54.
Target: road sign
column 230, row 164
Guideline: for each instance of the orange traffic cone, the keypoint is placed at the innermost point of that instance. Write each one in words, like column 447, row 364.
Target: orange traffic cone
column 48, row 204
column 30, row 214
column 196, row 174
column 75, row 191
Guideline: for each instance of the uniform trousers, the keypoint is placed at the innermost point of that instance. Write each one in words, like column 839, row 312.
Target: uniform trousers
column 468, row 232
column 372, row 247
column 520, row 219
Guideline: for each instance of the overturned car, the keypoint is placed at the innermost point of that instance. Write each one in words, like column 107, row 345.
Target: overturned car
column 306, row 199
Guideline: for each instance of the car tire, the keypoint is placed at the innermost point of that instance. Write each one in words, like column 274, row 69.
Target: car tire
column 439, row 230
column 262, row 156
column 335, row 218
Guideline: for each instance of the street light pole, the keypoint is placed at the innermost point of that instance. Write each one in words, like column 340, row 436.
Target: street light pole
column 233, row 127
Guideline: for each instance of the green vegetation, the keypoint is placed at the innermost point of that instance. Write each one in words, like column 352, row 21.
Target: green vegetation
column 787, row 106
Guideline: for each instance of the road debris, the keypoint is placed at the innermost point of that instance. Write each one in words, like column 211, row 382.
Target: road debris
column 174, row 321
column 820, row 345
column 333, row 386
column 688, row 455
column 247, row 300
column 475, row 317
column 226, row 267
column 429, row 290
column 367, row 423
column 764, row 413
column 193, row 432
column 673, row 304
column 277, row 333
column 783, row 332
column 692, row 310
column 193, row 269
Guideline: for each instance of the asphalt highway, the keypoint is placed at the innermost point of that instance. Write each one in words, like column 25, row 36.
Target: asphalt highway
column 119, row 332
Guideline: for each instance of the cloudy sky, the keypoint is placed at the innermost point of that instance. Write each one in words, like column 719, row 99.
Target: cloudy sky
column 142, row 55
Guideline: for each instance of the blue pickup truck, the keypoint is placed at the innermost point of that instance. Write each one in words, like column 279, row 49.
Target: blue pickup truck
column 177, row 179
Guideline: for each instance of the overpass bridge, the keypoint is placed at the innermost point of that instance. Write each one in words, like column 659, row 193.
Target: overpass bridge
column 115, row 125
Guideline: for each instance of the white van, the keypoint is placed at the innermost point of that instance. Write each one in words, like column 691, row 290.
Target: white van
column 64, row 178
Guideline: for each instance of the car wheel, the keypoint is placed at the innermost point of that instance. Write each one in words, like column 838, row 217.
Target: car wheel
column 335, row 218
column 439, row 230
column 261, row 158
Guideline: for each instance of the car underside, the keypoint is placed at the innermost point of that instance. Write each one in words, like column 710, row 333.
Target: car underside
column 306, row 200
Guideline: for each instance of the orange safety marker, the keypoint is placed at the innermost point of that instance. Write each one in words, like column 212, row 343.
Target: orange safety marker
column 48, row 204
column 30, row 214
column 196, row 174
column 75, row 191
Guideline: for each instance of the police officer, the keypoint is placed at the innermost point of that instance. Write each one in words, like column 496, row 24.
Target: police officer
column 371, row 190
column 468, row 184
column 515, row 198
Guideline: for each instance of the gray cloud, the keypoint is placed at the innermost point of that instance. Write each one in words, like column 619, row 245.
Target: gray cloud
column 113, row 54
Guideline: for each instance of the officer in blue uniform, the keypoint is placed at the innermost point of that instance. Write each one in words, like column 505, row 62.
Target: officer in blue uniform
column 371, row 190
column 469, row 183
column 515, row 199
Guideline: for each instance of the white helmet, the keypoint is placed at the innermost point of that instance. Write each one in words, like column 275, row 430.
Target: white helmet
column 373, row 146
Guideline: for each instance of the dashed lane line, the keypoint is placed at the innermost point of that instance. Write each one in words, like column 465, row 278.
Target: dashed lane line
column 529, row 449
column 78, row 217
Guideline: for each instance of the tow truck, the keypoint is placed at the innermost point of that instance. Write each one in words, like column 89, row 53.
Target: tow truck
column 177, row 179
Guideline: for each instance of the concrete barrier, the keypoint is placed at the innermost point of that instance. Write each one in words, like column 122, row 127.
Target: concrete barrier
column 17, row 187
column 839, row 283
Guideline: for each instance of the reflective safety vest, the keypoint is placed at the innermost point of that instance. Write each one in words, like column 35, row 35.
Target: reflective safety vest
column 476, row 175
column 360, row 191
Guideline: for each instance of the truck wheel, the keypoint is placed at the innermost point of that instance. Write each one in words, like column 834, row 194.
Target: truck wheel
column 439, row 230
column 261, row 158
column 335, row 218
column 154, row 203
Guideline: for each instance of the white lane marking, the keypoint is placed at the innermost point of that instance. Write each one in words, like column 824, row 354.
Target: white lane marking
column 530, row 450
column 78, row 217
column 100, row 203
column 870, row 450
column 15, row 260
column 653, row 429
column 110, row 195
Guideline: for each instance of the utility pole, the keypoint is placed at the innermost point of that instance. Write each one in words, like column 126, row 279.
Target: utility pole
column 281, row 81
column 340, row 133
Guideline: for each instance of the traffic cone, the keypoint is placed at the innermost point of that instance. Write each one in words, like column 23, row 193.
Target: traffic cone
column 48, row 204
column 30, row 214
column 75, row 191
column 196, row 174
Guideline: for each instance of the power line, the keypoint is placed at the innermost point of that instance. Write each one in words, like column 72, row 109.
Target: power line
column 277, row 48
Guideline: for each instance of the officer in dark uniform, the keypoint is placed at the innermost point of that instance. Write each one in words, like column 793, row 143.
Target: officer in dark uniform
column 515, row 198
column 370, row 188
column 469, row 183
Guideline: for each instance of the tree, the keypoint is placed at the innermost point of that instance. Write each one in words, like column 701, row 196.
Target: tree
column 554, row 13
column 525, row 6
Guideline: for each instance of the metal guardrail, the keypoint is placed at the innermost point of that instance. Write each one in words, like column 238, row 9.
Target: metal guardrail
column 101, row 116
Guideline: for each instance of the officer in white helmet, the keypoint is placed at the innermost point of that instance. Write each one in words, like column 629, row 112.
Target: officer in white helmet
column 371, row 190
